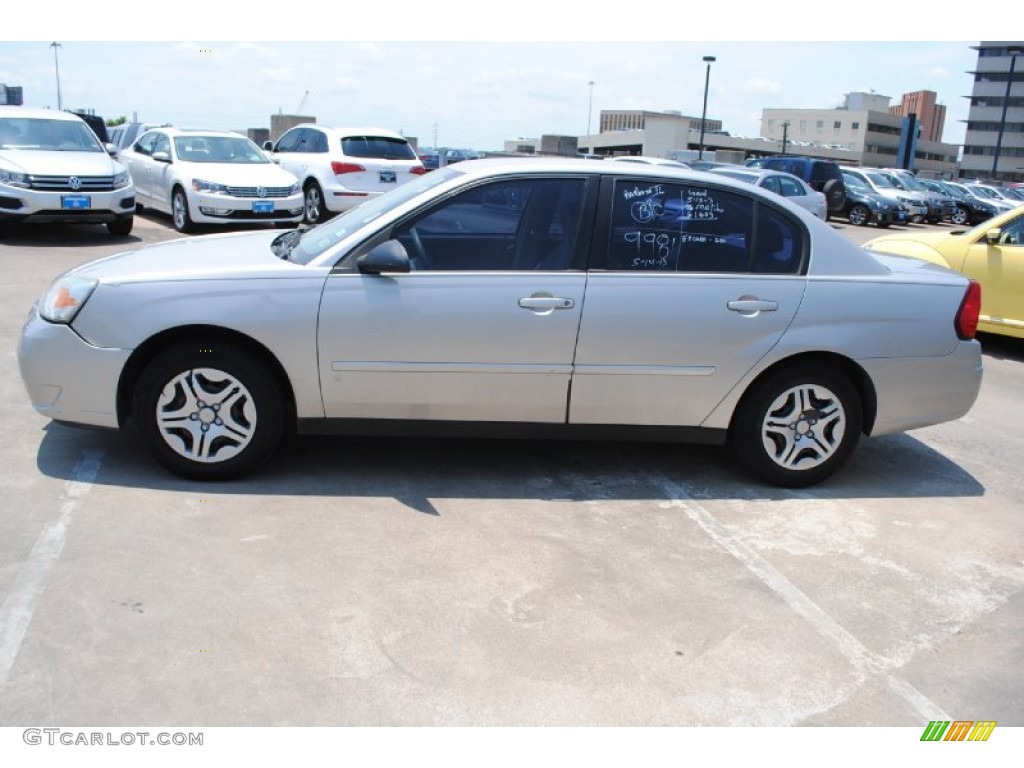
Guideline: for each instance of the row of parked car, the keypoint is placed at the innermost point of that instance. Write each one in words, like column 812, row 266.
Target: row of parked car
column 313, row 172
column 58, row 170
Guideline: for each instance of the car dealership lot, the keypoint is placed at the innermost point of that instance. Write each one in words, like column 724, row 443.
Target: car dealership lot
column 399, row 582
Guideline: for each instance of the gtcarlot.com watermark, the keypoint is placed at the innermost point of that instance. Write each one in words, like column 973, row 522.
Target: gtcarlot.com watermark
column 55, row 736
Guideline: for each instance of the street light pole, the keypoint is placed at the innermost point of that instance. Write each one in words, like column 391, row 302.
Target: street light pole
column 1014, row 53
column 590, row 105
column 785, row 134
column 704, row 113
column 55, row 45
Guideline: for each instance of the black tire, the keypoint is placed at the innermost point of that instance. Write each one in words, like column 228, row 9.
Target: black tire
column 315, row 209
column 178, row 415
column 961, row 215
column 179, row 211
column 859, row 215
column 121, row 227
column 798, row 425
column 835, row 195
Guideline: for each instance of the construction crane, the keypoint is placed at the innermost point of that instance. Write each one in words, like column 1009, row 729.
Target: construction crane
column 302, row 104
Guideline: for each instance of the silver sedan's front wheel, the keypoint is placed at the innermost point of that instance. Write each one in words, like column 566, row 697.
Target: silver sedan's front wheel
column 206, row 415
column 796, row 427
column 208, row 411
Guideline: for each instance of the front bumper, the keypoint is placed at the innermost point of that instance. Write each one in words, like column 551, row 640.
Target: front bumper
column 68, row 379
column 223, row 209
column 18, row 204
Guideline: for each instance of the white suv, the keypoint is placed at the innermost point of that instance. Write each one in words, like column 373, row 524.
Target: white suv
column 339, row 168
column 54, row 169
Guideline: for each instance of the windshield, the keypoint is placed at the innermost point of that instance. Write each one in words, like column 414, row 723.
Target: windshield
column 985, row 192
column 856, row 185
column 913, row 184
column 218, row 149
column 318, row 239
column 880, row 181
column 45, row 134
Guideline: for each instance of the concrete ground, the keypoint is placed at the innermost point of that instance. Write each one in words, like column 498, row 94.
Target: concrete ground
column 432, row 582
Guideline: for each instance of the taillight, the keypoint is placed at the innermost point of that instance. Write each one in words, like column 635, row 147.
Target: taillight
column 966, row 322
column 340, row 168
column 417, row 170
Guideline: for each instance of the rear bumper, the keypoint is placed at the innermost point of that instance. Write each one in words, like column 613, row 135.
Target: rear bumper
column 923, row 391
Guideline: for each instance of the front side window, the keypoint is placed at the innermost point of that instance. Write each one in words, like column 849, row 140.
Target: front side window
column 522, row 224
column 162, row 144
column 789, row 187
column 665, row 227
column 289, row 141
column 1012, row 233
column 144, row 146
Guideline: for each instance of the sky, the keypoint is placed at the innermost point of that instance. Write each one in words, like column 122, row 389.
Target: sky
column 472, row 84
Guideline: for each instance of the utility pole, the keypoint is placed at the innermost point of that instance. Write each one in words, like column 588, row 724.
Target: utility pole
column 55, row 45
column 704, row 114
column 785, row 134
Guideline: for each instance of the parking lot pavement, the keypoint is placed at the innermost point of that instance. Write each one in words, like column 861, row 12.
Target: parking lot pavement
column 433, row 582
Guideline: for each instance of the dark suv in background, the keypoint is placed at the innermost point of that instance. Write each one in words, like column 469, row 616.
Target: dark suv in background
column 822, row 175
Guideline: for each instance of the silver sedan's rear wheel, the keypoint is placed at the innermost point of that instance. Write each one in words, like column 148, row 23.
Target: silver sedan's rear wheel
column 208, row 412
column 796, row 427
column 961, row 215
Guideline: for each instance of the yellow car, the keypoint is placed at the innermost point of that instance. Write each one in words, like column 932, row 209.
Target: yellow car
column 992, row 253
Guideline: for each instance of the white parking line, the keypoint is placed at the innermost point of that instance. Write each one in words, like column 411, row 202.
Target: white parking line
column 20, row 604
column 866, row 663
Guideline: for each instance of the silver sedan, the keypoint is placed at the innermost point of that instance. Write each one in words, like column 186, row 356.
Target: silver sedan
column 547, row 298
column 781, row 183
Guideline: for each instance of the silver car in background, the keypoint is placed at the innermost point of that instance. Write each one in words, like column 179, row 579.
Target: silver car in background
column 525, row 298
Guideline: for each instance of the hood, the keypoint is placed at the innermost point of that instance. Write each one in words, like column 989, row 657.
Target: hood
column 57, row 163
column 235, row 256
column 241, row 174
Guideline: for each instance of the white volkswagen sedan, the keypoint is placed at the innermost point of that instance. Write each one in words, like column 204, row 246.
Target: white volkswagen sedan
column 206, row 177
column 547, row 297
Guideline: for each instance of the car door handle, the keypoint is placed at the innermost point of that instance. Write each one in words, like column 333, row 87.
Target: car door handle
column 546, row 303
column 752, row 306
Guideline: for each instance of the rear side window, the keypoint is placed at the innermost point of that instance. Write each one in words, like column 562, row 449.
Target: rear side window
column 822, row 172
column 690, row 228
column 377, row 148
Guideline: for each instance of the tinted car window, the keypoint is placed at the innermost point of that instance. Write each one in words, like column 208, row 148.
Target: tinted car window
column 289, row 141
column 689, row 228
column 528, row 224
column 377, row 147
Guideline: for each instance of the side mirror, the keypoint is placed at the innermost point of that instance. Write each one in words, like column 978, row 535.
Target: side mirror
column 268, row 145
column 111, row 149
column 389, row 256
column 162, row 157
column 992, row 236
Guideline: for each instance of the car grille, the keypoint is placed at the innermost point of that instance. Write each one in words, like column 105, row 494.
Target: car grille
column 255, row 191
column 72, row 183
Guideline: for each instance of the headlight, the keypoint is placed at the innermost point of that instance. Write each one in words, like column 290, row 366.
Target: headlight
column 121, row 180
column 13, row 178
column 65, row 297
column 208, row 186
column 293, row 189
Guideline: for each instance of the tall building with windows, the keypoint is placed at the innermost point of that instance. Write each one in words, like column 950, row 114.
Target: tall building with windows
column 994, row 143
column 930, row 115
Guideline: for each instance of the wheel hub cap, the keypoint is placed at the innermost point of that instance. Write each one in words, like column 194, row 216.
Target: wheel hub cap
column 803, row 427
column 206, row 415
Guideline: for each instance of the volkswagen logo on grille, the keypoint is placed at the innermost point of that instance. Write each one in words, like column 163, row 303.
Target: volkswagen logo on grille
column 75, row 183
column 261, row 191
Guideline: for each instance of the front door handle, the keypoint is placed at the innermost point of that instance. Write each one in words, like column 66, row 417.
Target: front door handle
column 546, row 303
column 751, row 306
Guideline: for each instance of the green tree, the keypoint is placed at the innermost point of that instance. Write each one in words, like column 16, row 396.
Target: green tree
column 116, row 121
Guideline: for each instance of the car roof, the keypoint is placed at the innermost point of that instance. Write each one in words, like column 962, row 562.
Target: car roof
column 10, row 110
column 355, row 130
column 195, row 132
